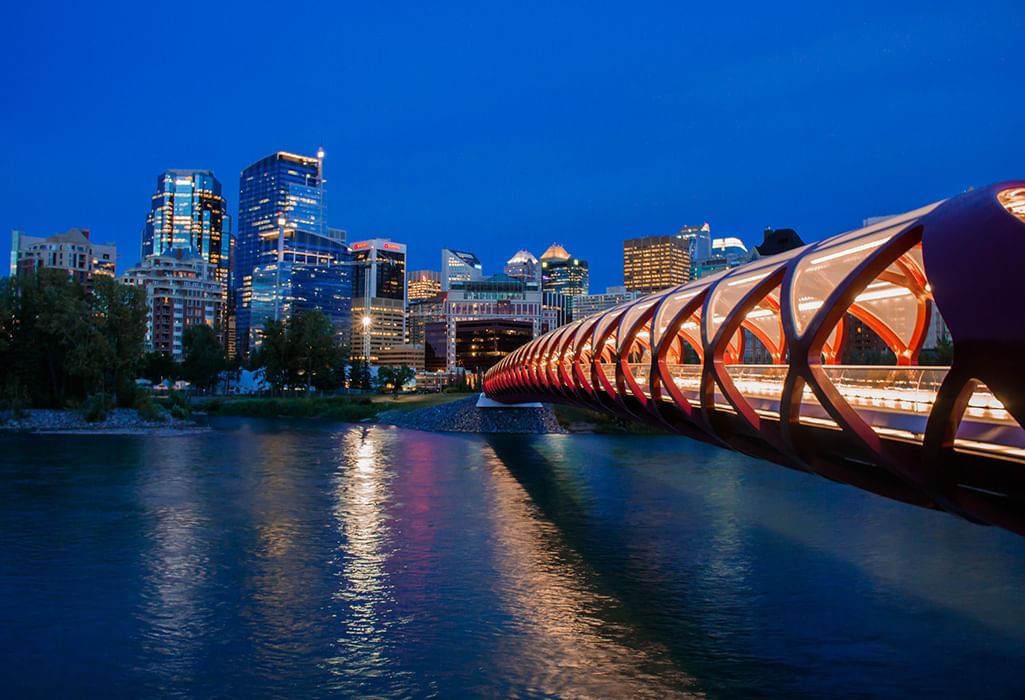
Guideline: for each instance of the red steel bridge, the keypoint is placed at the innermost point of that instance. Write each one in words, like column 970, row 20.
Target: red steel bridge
column 939, row 437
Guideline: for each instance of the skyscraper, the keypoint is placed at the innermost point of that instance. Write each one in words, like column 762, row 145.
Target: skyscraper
column 699, row 241
column 459, row 266
column 379, row 296
column 188, row 212
column 524, row 266
column 561, row 272
column 652, row 263
column 282, row 232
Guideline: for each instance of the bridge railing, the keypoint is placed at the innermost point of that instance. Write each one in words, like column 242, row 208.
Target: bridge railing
column 895, row 401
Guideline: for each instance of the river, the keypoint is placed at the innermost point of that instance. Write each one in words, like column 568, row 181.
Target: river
column 277, row 559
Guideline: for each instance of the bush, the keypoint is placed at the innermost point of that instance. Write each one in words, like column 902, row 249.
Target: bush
column 96, row 407
column 16, row 405
column 212, row 405
column 179, row 405
column 148, row 410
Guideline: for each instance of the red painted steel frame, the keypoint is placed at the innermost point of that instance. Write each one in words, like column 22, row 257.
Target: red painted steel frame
column 964, row 254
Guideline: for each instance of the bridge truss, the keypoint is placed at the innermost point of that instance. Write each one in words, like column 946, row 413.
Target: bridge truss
column 750, row 358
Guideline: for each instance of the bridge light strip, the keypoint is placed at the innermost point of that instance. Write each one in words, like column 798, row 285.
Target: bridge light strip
column 849, row 251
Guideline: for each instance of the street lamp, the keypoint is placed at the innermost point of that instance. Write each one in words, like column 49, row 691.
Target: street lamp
column 366, row 320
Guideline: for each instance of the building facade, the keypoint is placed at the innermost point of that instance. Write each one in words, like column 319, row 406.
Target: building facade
column 524, row 266
column 379, row 296
column 282, row 230
column 727, row 253
column 651, row 263
column 590, row 304
column 188, row 212
column 279, row 290
column 71, row 251
column 698, row 240
column 182, row 290
column 421, row 312
column 406, row 355
column 423, row 285
column 561, row 272
column 459, row 266
column 479, row 345
column 557, row 309
column 496, row 298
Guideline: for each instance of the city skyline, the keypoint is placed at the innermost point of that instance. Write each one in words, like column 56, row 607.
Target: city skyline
column 634, row 137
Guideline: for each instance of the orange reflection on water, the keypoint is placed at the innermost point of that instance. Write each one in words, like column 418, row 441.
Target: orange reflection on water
column 567, row 629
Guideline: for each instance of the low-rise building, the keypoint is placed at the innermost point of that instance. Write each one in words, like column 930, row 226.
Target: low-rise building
column 590, row 304
column 497, row 298
column 402, row 355
column 71, row 251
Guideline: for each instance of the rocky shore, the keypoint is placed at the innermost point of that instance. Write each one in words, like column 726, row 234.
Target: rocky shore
column 463, row 416
column 124, row 421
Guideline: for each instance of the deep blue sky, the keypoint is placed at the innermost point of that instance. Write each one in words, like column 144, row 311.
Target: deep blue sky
column 492, row 127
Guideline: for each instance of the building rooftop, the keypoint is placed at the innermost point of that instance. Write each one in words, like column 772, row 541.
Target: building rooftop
column 555, row 252
column 523, row 256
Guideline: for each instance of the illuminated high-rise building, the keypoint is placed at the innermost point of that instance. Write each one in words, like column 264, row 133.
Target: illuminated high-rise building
column 189, row 213
column 699, row 241
column 379, row 296
column 562, row 273
column 422, row 285
column 524, row 266
column 286, row 257
column 459, row 266
column 652, row 263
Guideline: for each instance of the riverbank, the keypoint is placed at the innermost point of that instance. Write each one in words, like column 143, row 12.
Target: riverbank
column 119, row 421
column 352, row 409
column 430, row 412
column 463, row 416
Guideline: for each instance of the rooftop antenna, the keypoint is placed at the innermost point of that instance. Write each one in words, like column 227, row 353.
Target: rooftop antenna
column 323, row 191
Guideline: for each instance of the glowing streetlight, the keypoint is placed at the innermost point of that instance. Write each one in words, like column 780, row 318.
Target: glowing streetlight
column 366, row 337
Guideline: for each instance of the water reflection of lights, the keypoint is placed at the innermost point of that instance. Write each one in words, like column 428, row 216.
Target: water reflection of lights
column 362, row 491
column 572, row 647
column 177, row 565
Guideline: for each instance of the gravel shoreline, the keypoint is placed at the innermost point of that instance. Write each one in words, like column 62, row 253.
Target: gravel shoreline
column 463, row 416
column 120, row 421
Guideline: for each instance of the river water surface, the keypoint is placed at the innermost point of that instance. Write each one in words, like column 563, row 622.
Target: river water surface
column 297, row 560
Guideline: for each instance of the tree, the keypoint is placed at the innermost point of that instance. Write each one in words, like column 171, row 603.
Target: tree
column 158, row 366
column 359, row 374
column 119, row 312
column 274, row 355
column 204, row 358
column 47, row 317
column 394, row 378
column 318, row 357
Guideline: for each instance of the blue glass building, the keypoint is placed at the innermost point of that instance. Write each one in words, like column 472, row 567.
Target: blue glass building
column 286, row 257
column 188, row 213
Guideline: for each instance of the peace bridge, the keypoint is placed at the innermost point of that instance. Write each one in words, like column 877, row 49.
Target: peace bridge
column 938, row 437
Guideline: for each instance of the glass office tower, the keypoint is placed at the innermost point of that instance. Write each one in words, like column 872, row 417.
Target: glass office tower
column 561, row 272
column 286, row 257
column 188, row 213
